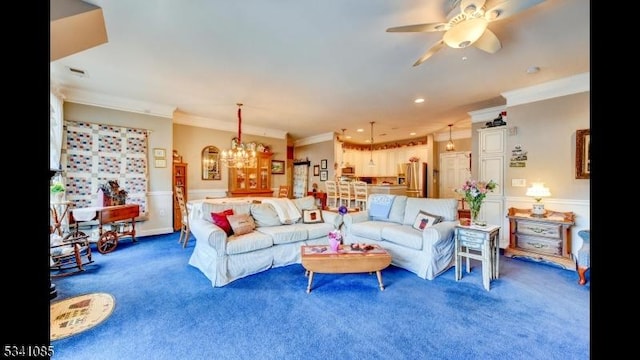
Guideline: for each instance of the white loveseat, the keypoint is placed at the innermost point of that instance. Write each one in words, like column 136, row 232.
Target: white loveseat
column 223, row 258
column 428, row 252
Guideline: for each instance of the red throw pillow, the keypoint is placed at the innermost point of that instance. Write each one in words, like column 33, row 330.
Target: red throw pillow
column 220, row 219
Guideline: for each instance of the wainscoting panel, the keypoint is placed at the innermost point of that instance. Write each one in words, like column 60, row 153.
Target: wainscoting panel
column 160, row 216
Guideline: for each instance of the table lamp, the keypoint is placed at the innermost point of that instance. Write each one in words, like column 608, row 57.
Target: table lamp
column 538, row 191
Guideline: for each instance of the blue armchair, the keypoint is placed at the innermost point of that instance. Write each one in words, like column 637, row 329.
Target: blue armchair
column 584, row 256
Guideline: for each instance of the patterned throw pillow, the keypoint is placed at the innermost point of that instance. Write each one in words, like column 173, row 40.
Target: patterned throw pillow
column 241, row 223
column 424, row 220
column 312, row 216
column 221, row 220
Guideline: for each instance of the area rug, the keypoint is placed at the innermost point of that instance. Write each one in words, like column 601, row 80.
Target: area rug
column 77, row 314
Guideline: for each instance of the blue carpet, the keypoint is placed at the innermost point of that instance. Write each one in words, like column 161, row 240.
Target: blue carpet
column 166, row 309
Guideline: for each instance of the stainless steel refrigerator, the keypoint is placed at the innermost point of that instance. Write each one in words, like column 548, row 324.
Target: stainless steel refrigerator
column 416, row 173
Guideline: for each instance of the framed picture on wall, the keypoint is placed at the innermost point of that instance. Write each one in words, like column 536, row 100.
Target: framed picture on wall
column 277, row 167
column 316, row 170
column 324, row 175
column 323, row 164
column 159, row 153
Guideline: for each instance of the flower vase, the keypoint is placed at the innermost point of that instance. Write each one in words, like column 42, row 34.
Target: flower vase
column 334, row 243
column 474, row 217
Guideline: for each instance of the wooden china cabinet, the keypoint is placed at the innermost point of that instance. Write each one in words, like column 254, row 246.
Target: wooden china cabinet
column 179, row 180
column 252, row 180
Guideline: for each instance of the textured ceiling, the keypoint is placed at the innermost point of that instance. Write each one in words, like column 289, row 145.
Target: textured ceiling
column 309, row 67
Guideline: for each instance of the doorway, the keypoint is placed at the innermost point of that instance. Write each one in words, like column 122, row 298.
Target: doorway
column 455, row 169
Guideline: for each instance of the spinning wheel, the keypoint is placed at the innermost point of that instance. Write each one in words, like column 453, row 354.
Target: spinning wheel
column 107, row 242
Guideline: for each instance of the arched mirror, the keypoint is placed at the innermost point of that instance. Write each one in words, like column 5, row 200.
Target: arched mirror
column 211, row 163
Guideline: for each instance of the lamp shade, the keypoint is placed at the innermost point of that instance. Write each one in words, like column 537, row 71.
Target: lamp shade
column 538, row 191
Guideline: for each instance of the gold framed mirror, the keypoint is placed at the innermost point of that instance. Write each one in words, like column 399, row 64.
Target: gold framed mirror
column 583, row 154
column 211, row 163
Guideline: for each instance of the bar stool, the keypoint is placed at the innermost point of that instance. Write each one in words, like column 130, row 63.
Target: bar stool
column 332, row 193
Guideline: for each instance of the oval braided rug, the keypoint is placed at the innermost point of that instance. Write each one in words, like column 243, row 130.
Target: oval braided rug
column 79, row 313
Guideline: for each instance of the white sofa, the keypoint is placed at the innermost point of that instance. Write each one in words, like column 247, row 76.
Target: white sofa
column 426, row 253
column 223, row 258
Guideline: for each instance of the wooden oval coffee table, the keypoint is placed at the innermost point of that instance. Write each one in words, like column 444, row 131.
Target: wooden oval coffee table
column 321, row 259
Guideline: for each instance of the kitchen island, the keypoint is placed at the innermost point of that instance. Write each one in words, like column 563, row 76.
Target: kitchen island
column 387, row 189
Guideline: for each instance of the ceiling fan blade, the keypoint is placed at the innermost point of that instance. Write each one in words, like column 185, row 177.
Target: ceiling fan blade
column 488, row 42
column 420, row 28
column 432, row 50
column 501, row 9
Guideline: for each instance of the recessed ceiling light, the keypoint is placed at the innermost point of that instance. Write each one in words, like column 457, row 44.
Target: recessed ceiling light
column 532, row 69
column 360, row 130
column 412, row 133
column 418, row 100
column 464, row 58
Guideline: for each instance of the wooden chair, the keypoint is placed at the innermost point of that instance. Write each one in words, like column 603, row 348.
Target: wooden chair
column 70, row 255
column 184, row 212
column 333, row 197
column 283, row 191
column 360, row 194
column 346, row 195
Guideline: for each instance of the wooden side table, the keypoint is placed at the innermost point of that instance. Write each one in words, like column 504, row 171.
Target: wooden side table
column 480, row 243
column 544, row 239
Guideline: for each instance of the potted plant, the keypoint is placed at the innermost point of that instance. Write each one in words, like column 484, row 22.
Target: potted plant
column 57, row 191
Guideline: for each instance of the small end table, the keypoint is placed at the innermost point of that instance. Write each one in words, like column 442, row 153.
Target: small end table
column 480, row 243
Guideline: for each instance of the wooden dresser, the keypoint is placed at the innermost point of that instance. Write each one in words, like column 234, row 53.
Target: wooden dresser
column 543, row 239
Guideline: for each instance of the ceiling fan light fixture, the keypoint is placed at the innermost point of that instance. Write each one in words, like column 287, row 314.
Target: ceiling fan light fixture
column 470, row 9
column 465, row 33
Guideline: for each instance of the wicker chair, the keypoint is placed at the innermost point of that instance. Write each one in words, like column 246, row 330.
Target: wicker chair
column 70, row 255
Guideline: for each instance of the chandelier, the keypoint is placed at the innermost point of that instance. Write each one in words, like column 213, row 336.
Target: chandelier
column 239, row 155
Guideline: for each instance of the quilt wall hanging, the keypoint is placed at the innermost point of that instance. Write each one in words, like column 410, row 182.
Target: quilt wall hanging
column 93, row 154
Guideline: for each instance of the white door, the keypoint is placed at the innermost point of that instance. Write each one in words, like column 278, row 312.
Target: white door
column 455, row 169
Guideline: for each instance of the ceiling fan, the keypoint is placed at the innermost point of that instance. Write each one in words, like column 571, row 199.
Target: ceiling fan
column 469, row 26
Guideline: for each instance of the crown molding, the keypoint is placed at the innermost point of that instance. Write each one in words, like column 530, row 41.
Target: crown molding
column 198, row 121
column 486, row 114
column 314, row 139
column 455, row 135
column 552, row 89
column 117, row 103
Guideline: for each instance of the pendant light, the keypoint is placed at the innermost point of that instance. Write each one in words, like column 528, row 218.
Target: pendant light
column 450, row 145
column 371, row 146
column 342, row 140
